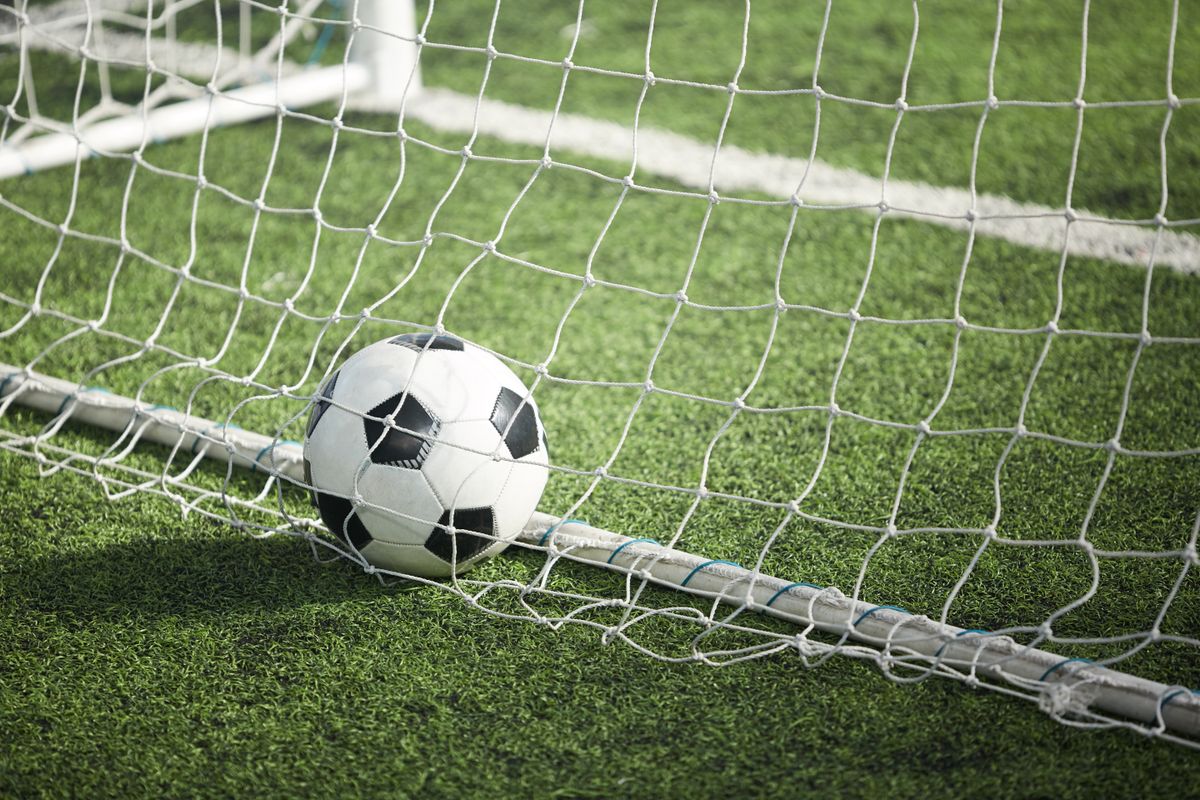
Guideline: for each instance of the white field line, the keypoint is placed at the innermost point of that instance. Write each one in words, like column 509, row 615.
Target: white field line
column 60, row 27
column 128, row 50
column 688, row 162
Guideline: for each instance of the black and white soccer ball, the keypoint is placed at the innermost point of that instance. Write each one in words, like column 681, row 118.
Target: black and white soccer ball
column 426, row 454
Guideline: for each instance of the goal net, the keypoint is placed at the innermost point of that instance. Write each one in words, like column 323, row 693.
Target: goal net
column 851, row 336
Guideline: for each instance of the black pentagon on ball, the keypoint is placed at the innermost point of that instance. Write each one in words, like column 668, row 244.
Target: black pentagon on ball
column 427, row 341
column 409, row 442
column 475, row 531
column 322, row 404
column 518, row 427
column 338, row 515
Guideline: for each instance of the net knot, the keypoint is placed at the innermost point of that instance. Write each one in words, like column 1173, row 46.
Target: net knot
column 1065, row 699
column 806, row 648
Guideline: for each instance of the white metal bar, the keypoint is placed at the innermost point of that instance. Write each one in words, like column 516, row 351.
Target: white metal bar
column 1081, row 687
column 386, row 46
column 125, row 134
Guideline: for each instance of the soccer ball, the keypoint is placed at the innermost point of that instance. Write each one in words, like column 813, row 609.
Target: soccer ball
column 426, row 454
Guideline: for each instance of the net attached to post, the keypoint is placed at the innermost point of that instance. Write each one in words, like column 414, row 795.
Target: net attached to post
column 803, row 399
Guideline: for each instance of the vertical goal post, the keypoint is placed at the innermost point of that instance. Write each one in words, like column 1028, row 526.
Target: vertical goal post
column 380, row 71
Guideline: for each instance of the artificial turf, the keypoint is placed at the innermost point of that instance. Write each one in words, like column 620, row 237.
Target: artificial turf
column 145, row 654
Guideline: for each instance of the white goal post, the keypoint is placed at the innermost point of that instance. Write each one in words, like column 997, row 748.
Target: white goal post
column 380, row 71
column 907, row 644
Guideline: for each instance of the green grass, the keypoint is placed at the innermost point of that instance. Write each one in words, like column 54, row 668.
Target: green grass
column 1025, row 153
column 142, row 654
column 169, row 658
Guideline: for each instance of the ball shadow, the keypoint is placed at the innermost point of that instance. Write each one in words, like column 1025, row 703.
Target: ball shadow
column 210, row 573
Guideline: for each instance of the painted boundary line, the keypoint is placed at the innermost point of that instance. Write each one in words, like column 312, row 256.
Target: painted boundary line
column 688, row 161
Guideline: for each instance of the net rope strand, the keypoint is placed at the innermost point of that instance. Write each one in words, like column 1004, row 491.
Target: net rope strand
column 105, row 42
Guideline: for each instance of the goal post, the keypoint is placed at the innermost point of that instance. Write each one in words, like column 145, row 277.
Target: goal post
column 380, row 70
column 762, row 342
column 907, row 644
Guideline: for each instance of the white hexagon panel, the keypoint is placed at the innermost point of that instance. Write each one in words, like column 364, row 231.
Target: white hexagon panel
column 425, row 454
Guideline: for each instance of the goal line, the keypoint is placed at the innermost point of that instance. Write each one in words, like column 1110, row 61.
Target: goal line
column 906, row 646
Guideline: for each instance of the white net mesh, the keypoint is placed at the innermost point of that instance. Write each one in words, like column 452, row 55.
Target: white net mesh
column 759, row 326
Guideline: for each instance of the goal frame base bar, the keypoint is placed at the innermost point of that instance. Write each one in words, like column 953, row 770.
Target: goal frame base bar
column 126, row 136
column 1066, row 687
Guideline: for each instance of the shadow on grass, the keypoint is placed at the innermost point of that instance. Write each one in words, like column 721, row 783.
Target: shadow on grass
column 219, row 573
